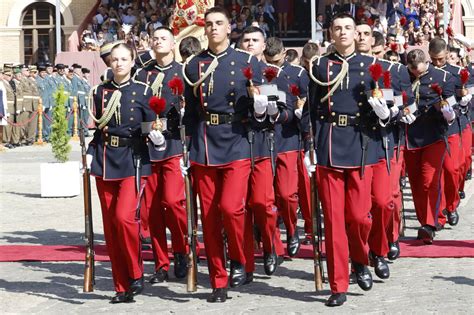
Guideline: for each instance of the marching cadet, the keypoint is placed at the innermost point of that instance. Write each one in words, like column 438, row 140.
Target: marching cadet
column 118, row 158
column 345, row 150
column 288, row 148
column 466, row 136
column 427, row 141
column 261, row 208
column 35, row 95
column 11, row 132
column 164, row 191
column 219, row 84
column 451, row 164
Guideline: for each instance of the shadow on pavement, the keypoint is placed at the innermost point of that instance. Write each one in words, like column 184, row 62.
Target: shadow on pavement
column 48, row 237
column 457, row 280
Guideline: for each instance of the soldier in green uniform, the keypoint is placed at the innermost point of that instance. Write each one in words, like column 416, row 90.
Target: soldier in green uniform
column 11, row 135
column 21, row 114
column 33, row 124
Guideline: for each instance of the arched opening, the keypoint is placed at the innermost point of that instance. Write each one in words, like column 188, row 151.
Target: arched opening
column 38, row 23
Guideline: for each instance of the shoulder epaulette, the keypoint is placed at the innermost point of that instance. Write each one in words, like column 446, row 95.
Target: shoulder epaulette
column 142, row 83
column 300, row 68
column 246, row 52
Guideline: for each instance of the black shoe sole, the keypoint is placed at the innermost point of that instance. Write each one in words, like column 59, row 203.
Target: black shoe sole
column 425, row 236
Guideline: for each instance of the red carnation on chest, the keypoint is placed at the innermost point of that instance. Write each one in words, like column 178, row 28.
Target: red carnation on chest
column 464, row 76
column 404, row 97
column 176, row 85
column 376, row 71
column 157, row 104
column 270, row 73
column 295, row 90
column 387, row 80
column 248, row 73
column 435, row 87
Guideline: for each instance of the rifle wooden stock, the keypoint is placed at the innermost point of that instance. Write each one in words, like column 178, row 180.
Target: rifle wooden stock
column 191, row 282
column 89, row 269
column 316, row 225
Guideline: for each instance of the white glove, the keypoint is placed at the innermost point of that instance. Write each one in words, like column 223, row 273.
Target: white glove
column 156, row 137
column 448, row 113
column 408, row 119
column 260, row 104
column 310, row 168
column 394, row 111
column 272, row 108
column 89, row 159
column 181, row 112
column 184, row 168
column 465, row 100
column 299, row 112
column 379, row 105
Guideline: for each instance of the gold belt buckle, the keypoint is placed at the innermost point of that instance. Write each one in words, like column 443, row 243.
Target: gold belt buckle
column 114, row 141
column 342, row 121
column 214, row 119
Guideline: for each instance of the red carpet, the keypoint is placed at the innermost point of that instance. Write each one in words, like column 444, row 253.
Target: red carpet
column 409, row 248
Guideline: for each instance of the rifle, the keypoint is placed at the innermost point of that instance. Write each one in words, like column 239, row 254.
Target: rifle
column 89, row 271
column 317, row 237
column 192, row 228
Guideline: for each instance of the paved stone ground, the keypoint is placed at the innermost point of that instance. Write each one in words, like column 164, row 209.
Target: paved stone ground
column 416, row 285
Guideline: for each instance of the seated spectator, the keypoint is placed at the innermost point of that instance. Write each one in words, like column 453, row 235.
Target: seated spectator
column 263, row 25
column 101, row 15
column 129, row 18
column 142, row 21
column 153, row 21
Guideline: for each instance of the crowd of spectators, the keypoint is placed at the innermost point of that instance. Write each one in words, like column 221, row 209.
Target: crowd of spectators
column 407, row 22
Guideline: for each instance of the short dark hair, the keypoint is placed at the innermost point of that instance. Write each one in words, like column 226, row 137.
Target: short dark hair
column 342, row 15
column 166, row 28
column 190, row 45
column 253, row 29
column 436, row 46
column 274, row 46
column 415, row 57
column 310, row 50
column 391, row 53
column 379, row 40
column 291, row 55
column 455, row 50
column 217, row 9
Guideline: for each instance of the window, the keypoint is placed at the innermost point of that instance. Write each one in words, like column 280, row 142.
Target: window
column 39, row 34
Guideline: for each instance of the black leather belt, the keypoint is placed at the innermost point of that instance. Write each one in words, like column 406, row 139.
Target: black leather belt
column 214, row 119
column 340, row 120
column 115, row 141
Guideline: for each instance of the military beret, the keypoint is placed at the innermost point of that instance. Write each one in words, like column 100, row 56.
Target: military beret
column 85, row 70
column 60, row 66
column 33, row 68
column 7, row 69
column 76, row 66
column 41, row 68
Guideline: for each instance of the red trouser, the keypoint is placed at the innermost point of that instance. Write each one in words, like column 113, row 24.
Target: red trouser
column 222, row 192
column 304, row 195
column 286, row 188
column 424, row 168
column 450, row 178
column 393, row 228
column 261, row 210
column 118, row 200
column 165, row 199
column 382, row 208
column 346, row 202
column 467, row 154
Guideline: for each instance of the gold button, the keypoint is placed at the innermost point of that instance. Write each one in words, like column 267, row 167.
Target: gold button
column 131, row 118
column 431, row 79
column 105, row 100
column 232, row 93
column 232, row 72
column 133, row 101
column 330, row 72
column 361, row 93
column 134, row 93
column 207, row 123
column 175, row 74
column 231, row 103
column 330, row 63
column 106, row 134
column 358, row 114
column 361, row 64
column 373, row 128
column 362, row 82
column 362, row 73
column 333, row 114
column 105, row 92
column 232, row 63
column 106, row 143
column 360, row 104
column 322, row 117
column 331, row 103
column 148, row 82
column 231, row 82
column 334, row 123
column 205, row 104
column 203, row 94
column 132, row 109
column 203, row 84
